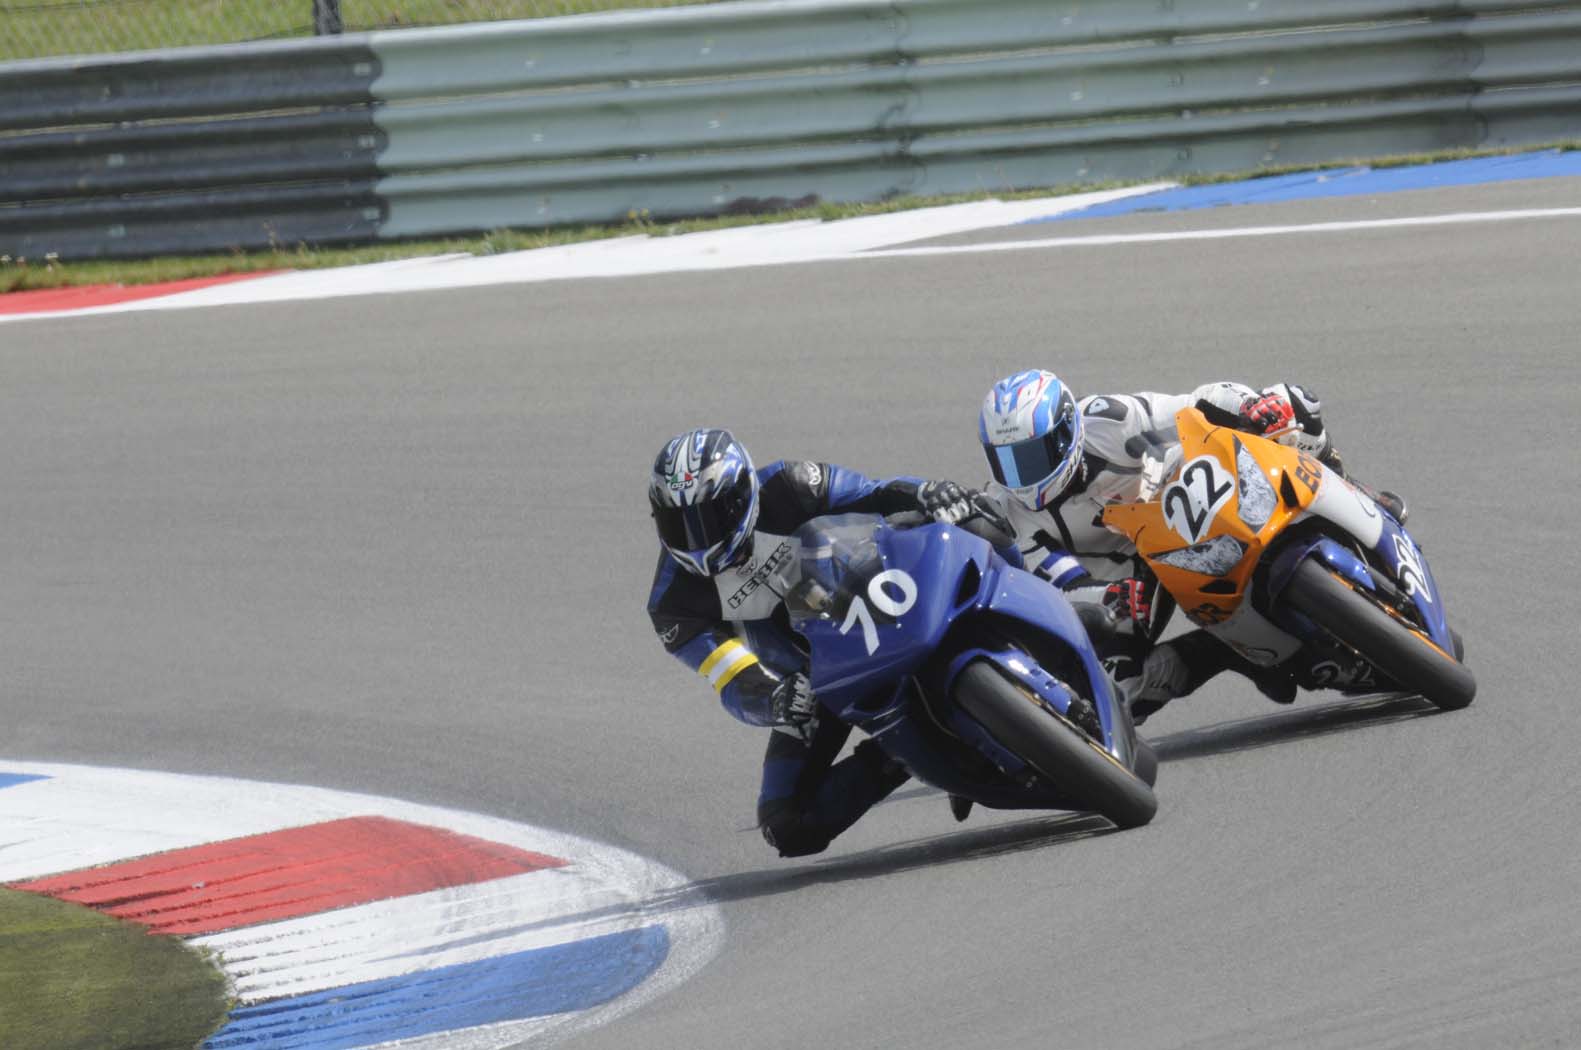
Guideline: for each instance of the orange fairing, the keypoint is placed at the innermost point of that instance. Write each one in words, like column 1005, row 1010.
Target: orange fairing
column 1194, row 534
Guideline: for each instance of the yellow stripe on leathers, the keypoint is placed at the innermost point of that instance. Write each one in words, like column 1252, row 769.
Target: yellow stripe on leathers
column 717, row 655
column 745, row 660
column 725, row 662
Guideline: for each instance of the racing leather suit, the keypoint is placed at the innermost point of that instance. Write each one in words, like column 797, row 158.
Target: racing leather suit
column 1067, row 543
column 733, row 630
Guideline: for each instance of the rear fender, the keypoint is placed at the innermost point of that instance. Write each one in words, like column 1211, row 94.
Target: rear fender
column 1017, row 667
column 1020, row 596
column 1399, row 554
column 1331, row 552
column 1338, row 557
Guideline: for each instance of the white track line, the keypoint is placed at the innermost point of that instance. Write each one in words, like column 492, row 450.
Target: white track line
column 1108, row 239
column 763, row 245
column 780, row 244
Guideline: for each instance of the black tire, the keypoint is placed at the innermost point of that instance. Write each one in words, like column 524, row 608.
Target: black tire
column 1401, row 652
column 1054, row 747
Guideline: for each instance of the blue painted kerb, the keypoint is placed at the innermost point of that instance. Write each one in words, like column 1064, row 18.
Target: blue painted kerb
column 1339, row 182
column 553, row 980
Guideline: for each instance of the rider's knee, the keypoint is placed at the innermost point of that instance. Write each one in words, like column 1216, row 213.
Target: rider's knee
column 785, row 829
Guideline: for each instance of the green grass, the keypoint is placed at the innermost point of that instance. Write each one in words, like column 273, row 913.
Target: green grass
column 28, row 274
column 38, row 28
column 73, row 979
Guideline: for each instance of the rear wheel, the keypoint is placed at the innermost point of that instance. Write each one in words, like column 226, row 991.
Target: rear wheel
column 1054, row 747
column 1401, row 650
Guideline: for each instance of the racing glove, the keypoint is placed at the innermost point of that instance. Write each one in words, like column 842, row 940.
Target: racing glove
column 984, row 507
column 1269, row 415
column 1308, row 409
column 795, row 708
column 946, row 502
column 1126, row 603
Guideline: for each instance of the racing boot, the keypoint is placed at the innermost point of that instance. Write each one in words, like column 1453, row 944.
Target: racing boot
column 960, row 807
column 1174, row 668
column 1276, row 684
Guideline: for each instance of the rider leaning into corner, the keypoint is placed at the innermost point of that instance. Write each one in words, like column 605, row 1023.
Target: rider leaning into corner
column 717, row 605
column 1057, row 461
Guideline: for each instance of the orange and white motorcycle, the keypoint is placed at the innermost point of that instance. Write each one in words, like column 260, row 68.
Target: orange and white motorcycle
column 1293, row 566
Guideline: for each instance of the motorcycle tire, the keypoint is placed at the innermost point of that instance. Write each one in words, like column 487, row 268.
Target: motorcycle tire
column 1054, row 747
column 1400, row 650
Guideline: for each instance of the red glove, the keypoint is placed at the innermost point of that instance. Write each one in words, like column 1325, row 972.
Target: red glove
column 1126, row 601
column 1268, row 415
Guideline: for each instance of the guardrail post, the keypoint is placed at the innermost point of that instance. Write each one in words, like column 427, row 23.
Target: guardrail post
column 326, row 17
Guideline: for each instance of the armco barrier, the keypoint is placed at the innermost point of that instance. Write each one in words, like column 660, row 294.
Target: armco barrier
column 738, row 106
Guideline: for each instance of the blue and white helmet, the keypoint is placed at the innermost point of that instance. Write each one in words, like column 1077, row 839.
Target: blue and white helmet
column 704, row 494
column 1032, row 433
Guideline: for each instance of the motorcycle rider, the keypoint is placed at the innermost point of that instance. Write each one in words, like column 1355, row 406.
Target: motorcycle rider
column 1057, row 461
column 726, row 562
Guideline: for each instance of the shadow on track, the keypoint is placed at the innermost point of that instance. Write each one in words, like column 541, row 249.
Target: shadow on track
column 1248, row 733
column 997, row 840
column 951, row 848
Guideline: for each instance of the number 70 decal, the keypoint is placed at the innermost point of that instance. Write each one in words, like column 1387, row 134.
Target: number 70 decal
column 887, row 604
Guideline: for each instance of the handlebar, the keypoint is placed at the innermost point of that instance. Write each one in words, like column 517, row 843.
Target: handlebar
column 977, row 525
column 906, row 519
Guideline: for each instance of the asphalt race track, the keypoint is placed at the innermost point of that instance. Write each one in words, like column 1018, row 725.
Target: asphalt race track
column 399, row 545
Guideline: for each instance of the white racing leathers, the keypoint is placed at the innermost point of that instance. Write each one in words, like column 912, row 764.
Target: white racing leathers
column 1129, row 448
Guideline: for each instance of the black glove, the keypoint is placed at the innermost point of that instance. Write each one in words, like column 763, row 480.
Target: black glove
column 945, row 501
column 794, row 706
column 1126, row 603
column 984, row 507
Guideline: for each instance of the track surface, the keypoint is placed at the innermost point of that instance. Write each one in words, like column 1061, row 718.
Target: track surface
column 399, row 545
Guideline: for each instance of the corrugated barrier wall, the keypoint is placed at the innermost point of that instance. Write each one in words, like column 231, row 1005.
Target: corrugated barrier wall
column 746, row 106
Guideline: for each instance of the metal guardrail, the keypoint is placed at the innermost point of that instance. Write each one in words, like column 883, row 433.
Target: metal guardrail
column 744, row 106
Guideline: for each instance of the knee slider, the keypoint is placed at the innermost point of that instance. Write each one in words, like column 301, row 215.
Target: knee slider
column 785, row 829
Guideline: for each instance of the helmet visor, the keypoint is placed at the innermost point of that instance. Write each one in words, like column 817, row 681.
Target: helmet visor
column 1030, row 462
column 702, row 525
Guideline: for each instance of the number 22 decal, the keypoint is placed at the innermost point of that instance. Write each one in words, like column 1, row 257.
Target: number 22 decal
column 886, row 603
column 1191, row 503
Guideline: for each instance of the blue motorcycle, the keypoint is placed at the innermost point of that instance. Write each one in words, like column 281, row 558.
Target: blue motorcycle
column 977, row 676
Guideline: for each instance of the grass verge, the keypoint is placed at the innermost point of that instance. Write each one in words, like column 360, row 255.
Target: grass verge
column 35, row 29
column 73, row 979
column 22, row 275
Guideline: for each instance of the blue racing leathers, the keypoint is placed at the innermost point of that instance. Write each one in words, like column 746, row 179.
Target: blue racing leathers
column 733, row 630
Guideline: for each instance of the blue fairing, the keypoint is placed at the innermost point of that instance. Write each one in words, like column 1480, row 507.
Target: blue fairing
column 1402, row 560
column 843, row 670
column 1022, row 596
column 1406, row 565
column 875, row 603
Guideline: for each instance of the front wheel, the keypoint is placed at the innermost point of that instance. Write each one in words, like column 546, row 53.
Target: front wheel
column 1399, row 649
column 1054, row 747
